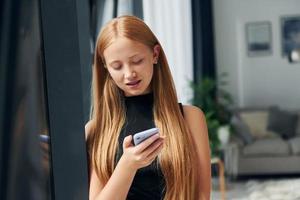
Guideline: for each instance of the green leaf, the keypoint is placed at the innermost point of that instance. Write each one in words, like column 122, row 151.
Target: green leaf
column 214, row 102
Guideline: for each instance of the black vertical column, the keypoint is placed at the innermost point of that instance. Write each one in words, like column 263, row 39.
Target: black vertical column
column 8, row 31
column 138, row 8
column 61, row 32
column 85, row 48
column 22, row 172
column 115, row 8
column 203, row 39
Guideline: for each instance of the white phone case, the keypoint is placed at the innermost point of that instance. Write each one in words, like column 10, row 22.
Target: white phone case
column 141, row 136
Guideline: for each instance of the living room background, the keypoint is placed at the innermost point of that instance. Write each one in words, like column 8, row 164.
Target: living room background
column 261, row 80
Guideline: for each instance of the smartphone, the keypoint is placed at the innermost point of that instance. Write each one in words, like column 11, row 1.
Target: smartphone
column 44, row 138
column 141, row 136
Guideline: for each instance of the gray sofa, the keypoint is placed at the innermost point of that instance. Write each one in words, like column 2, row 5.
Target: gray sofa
column 266, row 141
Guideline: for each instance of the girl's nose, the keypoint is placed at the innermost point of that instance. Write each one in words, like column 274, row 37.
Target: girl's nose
column 129, row 74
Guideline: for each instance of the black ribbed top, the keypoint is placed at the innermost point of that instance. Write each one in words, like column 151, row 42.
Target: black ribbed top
column 148, row 183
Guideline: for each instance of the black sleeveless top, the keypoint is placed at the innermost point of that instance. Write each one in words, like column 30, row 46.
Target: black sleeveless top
column 148, row 183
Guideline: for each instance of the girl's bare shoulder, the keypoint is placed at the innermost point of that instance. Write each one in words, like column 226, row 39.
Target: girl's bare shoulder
column 196, row 121
column 89, row 126
column 193, row 113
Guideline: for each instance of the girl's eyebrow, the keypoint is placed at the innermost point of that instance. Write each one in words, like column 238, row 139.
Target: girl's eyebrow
column 112, row 62
column 134, row 55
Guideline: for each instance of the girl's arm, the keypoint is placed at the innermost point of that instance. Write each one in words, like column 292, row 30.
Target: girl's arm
column 197, row 125
column 133, row 158
column 118, row 185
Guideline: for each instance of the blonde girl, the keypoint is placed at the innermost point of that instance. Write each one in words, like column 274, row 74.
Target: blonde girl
column 133, row 90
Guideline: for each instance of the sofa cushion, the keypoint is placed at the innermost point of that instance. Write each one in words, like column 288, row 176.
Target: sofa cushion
column 267, row 147
column 282, row 122
column 298, row 125
column 257, row 120
column 295, row 145
column 241, row 129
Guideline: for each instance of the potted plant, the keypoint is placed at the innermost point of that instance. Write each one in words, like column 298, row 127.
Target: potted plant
column 214, row 101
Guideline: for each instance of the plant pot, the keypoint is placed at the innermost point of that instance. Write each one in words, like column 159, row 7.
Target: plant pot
column 224, row 134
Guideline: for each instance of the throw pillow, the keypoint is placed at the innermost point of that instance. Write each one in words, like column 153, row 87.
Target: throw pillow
column 257, row 120
column 282, row 122
column 295, row 145
column 298, row 125
column 242, row 130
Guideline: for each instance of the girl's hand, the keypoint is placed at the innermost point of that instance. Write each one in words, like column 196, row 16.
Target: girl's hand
column 144, row 153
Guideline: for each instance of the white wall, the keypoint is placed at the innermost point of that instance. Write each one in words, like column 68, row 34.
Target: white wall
column 255, row 81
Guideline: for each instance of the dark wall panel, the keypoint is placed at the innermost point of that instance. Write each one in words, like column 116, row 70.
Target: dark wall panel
column 64, row 92
column 23, row 175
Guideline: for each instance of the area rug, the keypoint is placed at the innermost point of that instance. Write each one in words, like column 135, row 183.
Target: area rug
column 285, row 189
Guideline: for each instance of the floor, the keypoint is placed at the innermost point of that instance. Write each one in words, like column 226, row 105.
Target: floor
column 234, row 190
column 240, row 189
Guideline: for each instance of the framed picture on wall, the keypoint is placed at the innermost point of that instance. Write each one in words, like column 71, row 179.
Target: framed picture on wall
column 290, row 34
column 258, row 38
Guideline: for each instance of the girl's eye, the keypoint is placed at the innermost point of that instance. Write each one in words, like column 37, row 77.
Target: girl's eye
column 138, row 61
column 116, row 67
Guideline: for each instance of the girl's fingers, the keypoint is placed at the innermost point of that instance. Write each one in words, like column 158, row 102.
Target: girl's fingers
column 151, row 160
column 127, row 141
column 142, row 146
column 153, row 147
column 153, row 155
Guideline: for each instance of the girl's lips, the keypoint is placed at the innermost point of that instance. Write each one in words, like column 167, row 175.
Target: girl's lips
column 133, row 83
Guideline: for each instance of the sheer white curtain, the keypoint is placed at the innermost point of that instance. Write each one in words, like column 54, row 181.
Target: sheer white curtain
column 171, row 22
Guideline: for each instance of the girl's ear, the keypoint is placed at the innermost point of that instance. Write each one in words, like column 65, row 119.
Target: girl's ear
column 156, row 51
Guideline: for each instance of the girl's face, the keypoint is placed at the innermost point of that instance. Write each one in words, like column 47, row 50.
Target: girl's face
column 130, row 64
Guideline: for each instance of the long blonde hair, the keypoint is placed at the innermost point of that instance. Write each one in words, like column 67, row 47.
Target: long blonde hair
column 178, row 158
